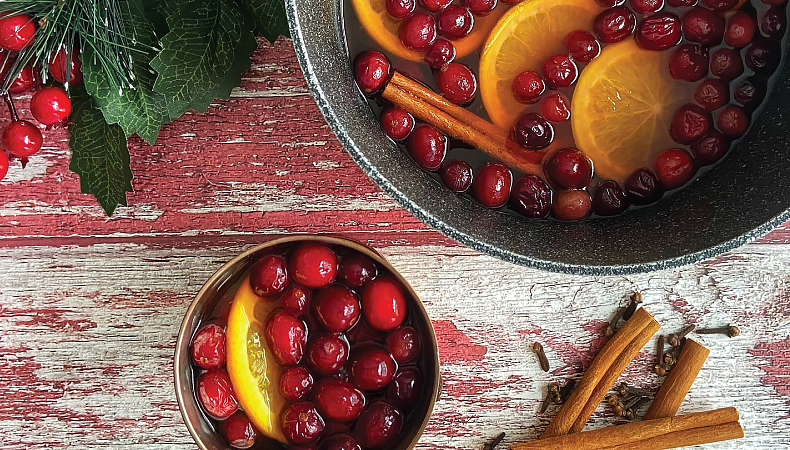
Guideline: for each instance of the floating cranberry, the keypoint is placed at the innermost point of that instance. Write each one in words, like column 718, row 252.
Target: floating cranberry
column 22, row 139
column 327, row 353
column 659, row 32
column 689, row 62
column 239, row 432
column 682, row 3
column 762, row 56
column 295, row 299
column 480, row 7
column 439, row 53
column 16, row 31
column 339, row 400
column 773, row 23
column 435, row 5
column 397, row 123
column 614, row 24
column 406, row 388
column 491, row 185
column 674, row 168
column 384, row 305
column 418, row 31
column 527, row 87
column 269, row 275
column 732, row 121
column 208, row 347
column 568, row 168
column 455, row 22
column 404, row 344
column 340, row 442
column 378, row 426
column 610, row 3
column 215, row 393
column 356, row 270
column 531, row 197
column 703, row 26
column 609, row 199
column 726, row 64
column 642, row 187
column 712, row 94
column 372, row 71
column 295, row 383
column 457, row 176
column 690, row 124
column 457, row 83
column 57, row 66
column 710, row 149
column 400, row 9
column 647, row 6
column 314, row 265
column 740, row 30
column 582, row 46
column 371, row 368
column 559, row 71
column 24, row 81
column 286, row 335
column 571, row 205
column 720, row 5
column 750, row 93
column 533, row 132
column 427, row 146
column 301, row 423
column 337, row 308
column 556, row 108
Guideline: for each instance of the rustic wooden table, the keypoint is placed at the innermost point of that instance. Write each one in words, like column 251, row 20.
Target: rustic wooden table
column 90, row 306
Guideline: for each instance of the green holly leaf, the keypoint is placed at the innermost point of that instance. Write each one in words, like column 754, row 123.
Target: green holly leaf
column 99, row 154
column 270, row 18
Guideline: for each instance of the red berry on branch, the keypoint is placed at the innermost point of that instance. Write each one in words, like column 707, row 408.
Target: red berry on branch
column 3, row 164
column 50, row 105
column 22, row 139
column 57, row 66
column 16, row 31
column 24, row 81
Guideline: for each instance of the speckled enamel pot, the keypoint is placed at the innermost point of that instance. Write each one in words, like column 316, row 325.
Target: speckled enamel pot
column 740, row 199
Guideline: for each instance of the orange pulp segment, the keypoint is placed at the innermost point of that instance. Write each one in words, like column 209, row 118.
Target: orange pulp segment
column 254, row 373
column 526, row 35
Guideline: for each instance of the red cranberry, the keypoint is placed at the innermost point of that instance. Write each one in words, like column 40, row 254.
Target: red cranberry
column 239, row 432
column 571, row 205
column 774, row 23
column 674, row 168
column 531, row 197
column 569, row 169
column 384, row 305
column 480, row 7
column 406, row 388
column 690, row 124
column 710, row 149
column 720, row 5
column 327, row 353
column 24, row 81
column 208, row 347
column 527, row 87
column 439, row 53
column 341, row 442
column 427, row 146
column 614, row 25
column 582, row 46
column 269, row 275
column 286, row 335
column 356, row 270
column 732, row 121
column 454, row 22
column 642, row 187
column 295, row 299
column 418, row 31
column 339, row 400
column 689, row 62
column 712, row 94
column 762, row 56
column 457, row 176
column 372, row 71
column 726, row 64
column 647, row 6
column 703, row 26
column 533, row 132
column 57, row 67
column 610, row 3
column 404, row 344
column 749, row 93
column 337, row 308
column 740, row 30
column 378, row 426
column 16, row 31
column 215, row 393
column 301, row 423
column 457, row 83
column 682, row 3
column 397, row 123
column 295, row 383
column 314, row 266
column 559, row 72
column 609, row 199
column 556, row 108
column 371, row 368
column 400, row 9
column 435, row 5
column 659, row 32
column 491, row 186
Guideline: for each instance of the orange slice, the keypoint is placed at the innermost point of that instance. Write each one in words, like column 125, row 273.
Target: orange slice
column 254, row 373
column 529, row 33
column 383, row 28
column 622, row 108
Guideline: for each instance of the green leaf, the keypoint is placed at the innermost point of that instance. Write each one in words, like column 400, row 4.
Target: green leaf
column 270, row 18
column 99, row 154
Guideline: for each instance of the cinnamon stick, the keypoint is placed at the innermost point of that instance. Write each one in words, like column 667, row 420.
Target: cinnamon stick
column 678, row 383
column 687, row 438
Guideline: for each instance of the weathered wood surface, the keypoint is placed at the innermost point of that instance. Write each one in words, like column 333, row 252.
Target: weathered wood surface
column 90, row 306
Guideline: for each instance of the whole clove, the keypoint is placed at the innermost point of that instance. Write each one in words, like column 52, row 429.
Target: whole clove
column 729, row 330
column 675, row 340
column 537, row 347
column 611, row 327
column 636, row 299
column 494, row 442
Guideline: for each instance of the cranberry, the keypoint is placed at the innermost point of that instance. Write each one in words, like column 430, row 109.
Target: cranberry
column 372, row 71
column 527, row 87
column 659, row 32
column 559, row 71
column 710, row 149
column 341, row 442
column 301, row 423
column 689, row 62
column 642, row 187
column 427, row 146
column 384, row 305
column 295, row 383
column 732, row 121
column 647, row 6
column 690, row 124
column 269, row 275
column 531, row 197
column 418, row 31
column 480, row 7
column 750, row 93
column 286, row 335
column 610, row 3
column 356, row 270
column 371, row 368
column 533, row 132
column 4, row 162
column 16, row 31
column 378, row 426
column 57, row 66
column 208, row 347
column 404, row 344
column 582, row 46
column 457, row 176
column 569, row 169
column 239, row 432
column 339, row 400
column 22, row 139
column 435, row 5
column 457, row 83
column 396, row 123
column 454, row 22
column 762, row 56
column 295, row 299
column 215, row 393
column 406, row 388
column 703, row 26
column 24, row 81
column 491, row 185
column 400, row 9
column 571, row 205
column 720, row 5
column 439, row 53
column 712, row 94
column 773, row 23
column 614, row 24
column 609, row 199
column 682, row 3
column 556, row 108
column 726, row 64
column 337, row 308
column 740, row 30
column 674, row 168
column 314, row 265
column 327, row 353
